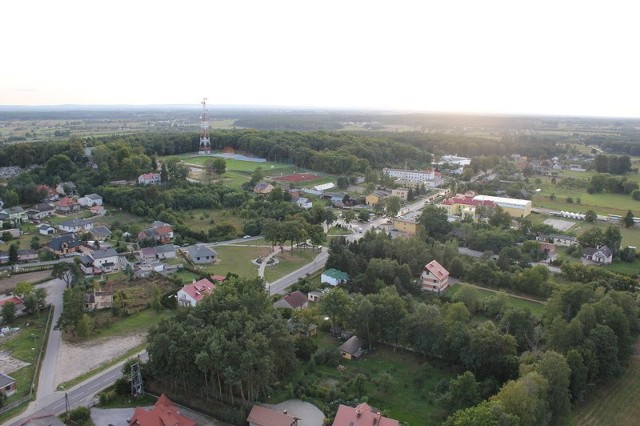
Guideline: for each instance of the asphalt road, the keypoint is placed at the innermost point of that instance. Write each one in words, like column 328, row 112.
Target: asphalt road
column 46, row 385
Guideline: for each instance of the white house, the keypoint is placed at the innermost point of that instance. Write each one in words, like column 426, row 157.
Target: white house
column 434, row 277
column 90, row 200
column 333, row 277
column 600, row 255
column 191, row 294
column 167, row 251
column 75, row 225
column 46, row 230
column 304, row 203
column 149, row 179
column 107, row 259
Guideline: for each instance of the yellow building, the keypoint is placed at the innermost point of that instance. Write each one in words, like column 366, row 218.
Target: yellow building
column 465, row 205
column 402, row 193
column 375, row 197
column 408, row 223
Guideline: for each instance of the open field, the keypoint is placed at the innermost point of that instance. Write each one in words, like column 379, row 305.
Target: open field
column 534, row 307
column 232, row 164
column 614, row 403
column 297, row 177
column 205, row 219
column 236, row 259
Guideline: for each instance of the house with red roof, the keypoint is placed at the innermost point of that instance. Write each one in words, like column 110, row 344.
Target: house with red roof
column 17, row 301
column 296, row 300
column 67, row 205
column 434, row 277
column 263, row 416
column 163, row 413
column 191, row 294
column 361, row 415
column 149, row 179
column 464, row 205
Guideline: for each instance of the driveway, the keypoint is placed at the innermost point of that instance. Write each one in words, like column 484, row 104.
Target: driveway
column 309, row 414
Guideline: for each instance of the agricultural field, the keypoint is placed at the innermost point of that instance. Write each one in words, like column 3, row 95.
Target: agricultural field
column 614, row 403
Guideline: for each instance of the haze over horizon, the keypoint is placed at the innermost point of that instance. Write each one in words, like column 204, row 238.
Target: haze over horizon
column 495, row 57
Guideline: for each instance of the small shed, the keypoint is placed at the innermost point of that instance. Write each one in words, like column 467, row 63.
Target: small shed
column 7, row 385
column 333, row 277
column 352, row 348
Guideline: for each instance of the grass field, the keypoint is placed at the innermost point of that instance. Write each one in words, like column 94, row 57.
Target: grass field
column 534, row 307
column 234, row 165
column 288, row 263
column 237, row 259
column 614, row 403
column 204, row 219
column 409, row 397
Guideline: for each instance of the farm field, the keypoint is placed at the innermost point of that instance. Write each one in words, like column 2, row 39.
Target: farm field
column 613, row 403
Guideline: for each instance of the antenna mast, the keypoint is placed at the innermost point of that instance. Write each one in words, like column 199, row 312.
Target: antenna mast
column 205, row 142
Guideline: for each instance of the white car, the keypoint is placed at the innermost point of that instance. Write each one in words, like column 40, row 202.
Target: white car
column 246, row 236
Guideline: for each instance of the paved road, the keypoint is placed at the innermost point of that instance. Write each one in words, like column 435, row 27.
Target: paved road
column 46, row 384
column 280, row 286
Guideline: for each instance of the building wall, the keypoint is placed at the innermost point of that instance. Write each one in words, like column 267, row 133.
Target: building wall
column 405, row 226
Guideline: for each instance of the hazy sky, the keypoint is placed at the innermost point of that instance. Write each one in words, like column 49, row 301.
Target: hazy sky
column 545, row 57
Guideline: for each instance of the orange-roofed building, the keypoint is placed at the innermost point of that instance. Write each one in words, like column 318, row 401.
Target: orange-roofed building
column 263, row 416
column 163, row 413
column 361, row 415
column 434, row 277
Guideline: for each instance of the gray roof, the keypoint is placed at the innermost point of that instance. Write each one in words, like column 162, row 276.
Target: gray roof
column 590, row 251
column 5, row 380
column 102, row 253
column 167, row 248
column 75, row 222
column 352, row 346
column 43, row 207
column 101, row 231
column 201, row 251
column 70, row 238
column 94, row 196
column 148, row 252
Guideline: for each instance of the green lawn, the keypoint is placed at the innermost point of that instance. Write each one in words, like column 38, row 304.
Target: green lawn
column 613, row 403
column 234, row 165
column 628, row 268
column 237, row 259
column 289, row 263
column 25, row 345
column 135, row 323
column 205, row 219
column 410, row 396
column 534, row 307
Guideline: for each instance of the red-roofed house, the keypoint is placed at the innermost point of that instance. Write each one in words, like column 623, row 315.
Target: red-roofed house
column 296, row 301
column 434, row 277
column 149, row 179
column 191, row 294
column 263, row 416
column 18, row 302
column 361, row 415
column 464, row 205
column 67, row 205
column 163, row 413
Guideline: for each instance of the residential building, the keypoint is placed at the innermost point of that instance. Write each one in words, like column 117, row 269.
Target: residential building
column 90, row 200
column 314, row 296
column 600, row 255
column 98, row 210
column 339, row 200
column 564, row 240
column 263, row 188
column 17, row 301
column 352, row 348
column 191, row 294
column 163, row 413
column 465, row 205
column 333, row 277
column 40, row 211
column 147, row 255
column 67, row 205
column 100, row 233
column 201, row 254
column 304, row 203
column 434, row 277
column 361, row 415
column 7, row 385
column 66, row 188
column 408, row 223
column 375, row 197
column 27, row 255
column 159, row 231
column 106, row 259
column 97, row 300
column 166, row 251
column 296, row 300
column 16, row 215
column 64, row 244
column 263, row 416
column 402, row 193
column 149, row 179
column 50, row 194
column 86, row 265
column 75, row 225
column 416, row 176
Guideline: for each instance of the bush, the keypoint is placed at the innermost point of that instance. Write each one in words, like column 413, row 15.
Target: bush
column 327, row 356
column 79, row 415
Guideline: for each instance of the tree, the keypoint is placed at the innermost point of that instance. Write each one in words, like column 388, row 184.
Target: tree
column 164, row 174
column 337, row 306
column 220, row 166
column 578, row 378
column 342, row 182
column 13, row 253
column 463, row 392
column 628, row 219
column 72, row 310
column 36, row 300
column 35, row 243
column 363, row 216
column 526, row 398
column 434, row 222
column 256, row 176
column 487, row 413
column 209, row 167
column 67, row 272
column 393, row 206
column 11, row 198
column 590, row 216
column 348, row 216
column 8, row 312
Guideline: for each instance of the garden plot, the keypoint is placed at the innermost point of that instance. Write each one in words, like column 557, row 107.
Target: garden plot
column 560, row 225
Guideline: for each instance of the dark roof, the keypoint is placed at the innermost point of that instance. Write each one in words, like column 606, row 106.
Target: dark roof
column 101, row 254
column 70, row 238
column 590, row 251
column 296, row 299
column 201, row 251
column 166, row 248
column 75, row 223
column 86, row 260
column 352, row 346
column 43, row 207
column 5, row 380
column 101, row 231
column 26, row 251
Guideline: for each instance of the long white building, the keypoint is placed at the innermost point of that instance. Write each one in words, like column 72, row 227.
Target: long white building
column 412, row 175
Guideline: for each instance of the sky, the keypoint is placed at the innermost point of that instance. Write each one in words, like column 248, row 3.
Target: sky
column 560, row 57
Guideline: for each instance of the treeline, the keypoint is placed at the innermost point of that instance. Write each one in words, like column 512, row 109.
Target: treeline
column 614, row 164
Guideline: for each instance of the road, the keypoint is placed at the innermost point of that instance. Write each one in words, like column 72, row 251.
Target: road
column 46, row 385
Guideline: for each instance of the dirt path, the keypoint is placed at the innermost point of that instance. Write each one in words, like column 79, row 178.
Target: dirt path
column 7, row 284
column 75, row 359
